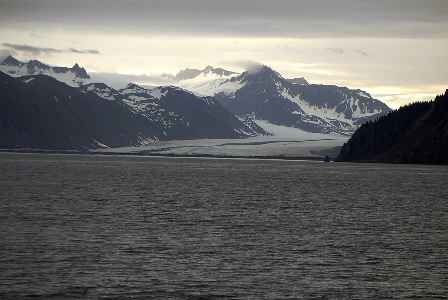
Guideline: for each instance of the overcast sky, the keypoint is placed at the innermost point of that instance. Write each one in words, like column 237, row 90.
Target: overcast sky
column 395, row 49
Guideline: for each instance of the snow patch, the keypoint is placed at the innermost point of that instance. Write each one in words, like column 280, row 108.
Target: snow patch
column 210, row 84
column 363, row 94
column 28, row 80
column 101, row 145
column 291, row 132
column 157, row 93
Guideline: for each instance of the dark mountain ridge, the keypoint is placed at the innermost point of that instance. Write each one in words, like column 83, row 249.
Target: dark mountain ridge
column 40, row 112
column 416, row 133
column 11, row 61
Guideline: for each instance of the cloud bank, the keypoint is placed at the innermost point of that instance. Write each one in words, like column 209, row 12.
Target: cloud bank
column 37, row 51
column 297, row 18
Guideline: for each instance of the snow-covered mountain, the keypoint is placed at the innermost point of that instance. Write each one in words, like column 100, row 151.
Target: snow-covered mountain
column 295, row 103
column 180, row 114
column 74, row 76
column 188, row 74
column 203, row 82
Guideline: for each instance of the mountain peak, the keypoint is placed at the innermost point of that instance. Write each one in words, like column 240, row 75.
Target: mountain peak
column 193, row 73
column 11, row 61
column 132, row 88
column 36, row 67
column 261, row 72
column 80, row 72
column 187, row 74
column 132, row 85
column 218, row 71
column 35, row 62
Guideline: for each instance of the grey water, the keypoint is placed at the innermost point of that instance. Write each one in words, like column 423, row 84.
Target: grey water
column 115, row 227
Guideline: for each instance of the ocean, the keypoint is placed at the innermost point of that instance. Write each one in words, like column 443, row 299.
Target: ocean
column 124, row 227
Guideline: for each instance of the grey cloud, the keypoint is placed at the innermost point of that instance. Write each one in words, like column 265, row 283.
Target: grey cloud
column 31, row 49
column 34, row 50
column 86, row 51
column 362, row 52
column 300, row 18
column 248, row 65
column 339, row 51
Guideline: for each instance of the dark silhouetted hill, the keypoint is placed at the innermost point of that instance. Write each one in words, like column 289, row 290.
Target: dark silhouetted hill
column 416, row 133
column 42, row 113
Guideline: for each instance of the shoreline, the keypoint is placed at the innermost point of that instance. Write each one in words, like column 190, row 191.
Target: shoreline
column 161, row 155
column 142, row 154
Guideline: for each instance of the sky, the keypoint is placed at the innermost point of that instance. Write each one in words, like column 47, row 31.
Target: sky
column 395, row 49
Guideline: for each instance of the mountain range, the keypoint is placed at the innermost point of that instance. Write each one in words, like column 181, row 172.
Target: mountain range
column 200, row 103
column 39, row 111
column 178, row 113
column 74, row 76
column 289, row 102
